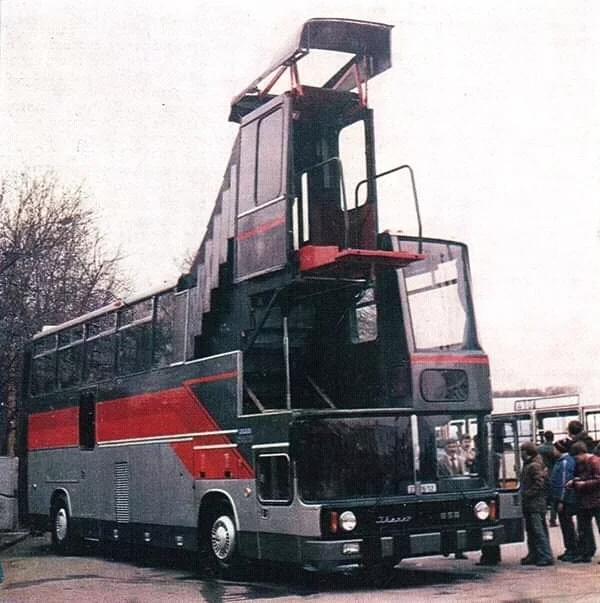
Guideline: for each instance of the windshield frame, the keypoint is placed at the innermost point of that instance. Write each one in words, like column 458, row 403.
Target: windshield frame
column 364, row 477
column 442, row 281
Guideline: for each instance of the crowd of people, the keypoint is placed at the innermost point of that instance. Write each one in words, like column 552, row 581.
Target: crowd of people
column 563, row 476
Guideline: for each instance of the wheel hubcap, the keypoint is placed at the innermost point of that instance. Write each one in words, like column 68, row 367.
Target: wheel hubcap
column 61, row 524
column 222, row 538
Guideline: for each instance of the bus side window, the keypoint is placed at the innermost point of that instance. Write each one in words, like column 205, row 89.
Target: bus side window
column 163, row 353
column 100, row 358
column 592, row 420
column 43, row 377
column 273, row 477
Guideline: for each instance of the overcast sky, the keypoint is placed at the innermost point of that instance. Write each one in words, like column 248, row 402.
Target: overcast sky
column 496, row 105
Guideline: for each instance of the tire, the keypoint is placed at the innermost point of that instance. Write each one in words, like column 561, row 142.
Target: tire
column 381, row 574
column 490, row 556
column 220, row 543
column 62, row 538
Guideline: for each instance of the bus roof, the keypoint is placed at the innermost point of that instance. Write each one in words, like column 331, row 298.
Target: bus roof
column 367, row 42
column 113, row 306
column 515, row 405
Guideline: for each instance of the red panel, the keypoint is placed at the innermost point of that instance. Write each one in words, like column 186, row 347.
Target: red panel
column 396, row 259
column 216, row 463
column 175, row 412
column 313, row 257
column 53, row 429
column 172, row 412
column 168, row 412
column 449, row 359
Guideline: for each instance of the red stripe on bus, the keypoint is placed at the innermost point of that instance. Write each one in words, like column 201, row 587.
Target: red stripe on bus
column 175, row 412
column 53, row 429
column 172, row 412
column 449, row 359
column 260, row 229
column 211, row 378
column 163, row 413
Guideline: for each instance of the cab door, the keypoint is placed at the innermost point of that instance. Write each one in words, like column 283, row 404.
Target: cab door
column 261, row 236
column 505, row 467
column 277, row 518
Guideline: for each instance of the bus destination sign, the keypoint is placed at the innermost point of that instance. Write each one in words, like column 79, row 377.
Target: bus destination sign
column 521, row 405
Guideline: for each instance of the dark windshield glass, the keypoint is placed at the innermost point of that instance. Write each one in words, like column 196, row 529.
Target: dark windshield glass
column 353, row 457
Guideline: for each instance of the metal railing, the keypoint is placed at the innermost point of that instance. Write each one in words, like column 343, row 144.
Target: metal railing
column 414, row 188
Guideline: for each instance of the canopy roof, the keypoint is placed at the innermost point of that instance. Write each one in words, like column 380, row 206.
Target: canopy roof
column 367, row 43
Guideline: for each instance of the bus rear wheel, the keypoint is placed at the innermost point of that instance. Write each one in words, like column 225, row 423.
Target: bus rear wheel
column 62, row 538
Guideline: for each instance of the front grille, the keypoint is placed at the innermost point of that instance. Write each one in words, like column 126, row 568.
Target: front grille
column 389, row 520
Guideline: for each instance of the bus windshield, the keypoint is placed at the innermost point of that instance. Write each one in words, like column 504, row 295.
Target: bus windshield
column 452, row 451
column 381, row 456
column 438, row 297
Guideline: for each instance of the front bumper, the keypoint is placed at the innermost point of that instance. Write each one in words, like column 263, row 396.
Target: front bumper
column 342, row 554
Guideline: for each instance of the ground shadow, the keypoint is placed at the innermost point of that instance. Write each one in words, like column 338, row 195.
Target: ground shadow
column 267, row 581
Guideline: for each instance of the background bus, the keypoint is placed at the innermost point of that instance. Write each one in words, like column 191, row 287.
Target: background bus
column 537, row 414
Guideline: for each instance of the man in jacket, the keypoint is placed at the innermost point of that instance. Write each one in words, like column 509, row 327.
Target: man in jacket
column 578, row 434
column 586, row 484
column 467, row 453
column 546, row 451
column 450, row 463
column 563, row 498
column 533, row 501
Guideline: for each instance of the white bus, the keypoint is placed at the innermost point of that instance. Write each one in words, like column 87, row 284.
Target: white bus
column 535, row 415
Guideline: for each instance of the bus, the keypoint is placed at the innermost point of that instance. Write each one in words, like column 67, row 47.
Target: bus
column 291, row 396
column 516, row 420
column 535, row 415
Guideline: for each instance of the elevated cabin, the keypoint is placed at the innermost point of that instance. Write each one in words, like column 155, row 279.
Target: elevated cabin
column 293, row 245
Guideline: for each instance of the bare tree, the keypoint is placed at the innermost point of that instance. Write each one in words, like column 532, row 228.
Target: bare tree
column 53, row 267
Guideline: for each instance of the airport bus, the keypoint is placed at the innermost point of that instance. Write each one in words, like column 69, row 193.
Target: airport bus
column 535, row 415
column 290, row 397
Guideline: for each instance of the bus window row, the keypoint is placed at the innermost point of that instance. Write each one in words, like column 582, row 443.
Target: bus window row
column 132, row 339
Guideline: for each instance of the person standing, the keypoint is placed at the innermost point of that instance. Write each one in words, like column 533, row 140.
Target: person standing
column 533, row 501
column 578, row 434
column 450, row 463
column 586, row 484
column 546, row 451
column 564, row 498
column 467, row 453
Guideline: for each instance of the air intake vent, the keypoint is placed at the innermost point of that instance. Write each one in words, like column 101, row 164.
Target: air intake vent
column 122, row 492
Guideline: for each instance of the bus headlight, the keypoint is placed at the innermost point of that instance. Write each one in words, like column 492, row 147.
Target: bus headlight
column 348, row 521
column 481, row 510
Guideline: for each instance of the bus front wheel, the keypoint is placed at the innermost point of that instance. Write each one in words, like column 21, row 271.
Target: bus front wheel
column 218, row 539
column 490, row 556
column 61, row 526
column 223, row 541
